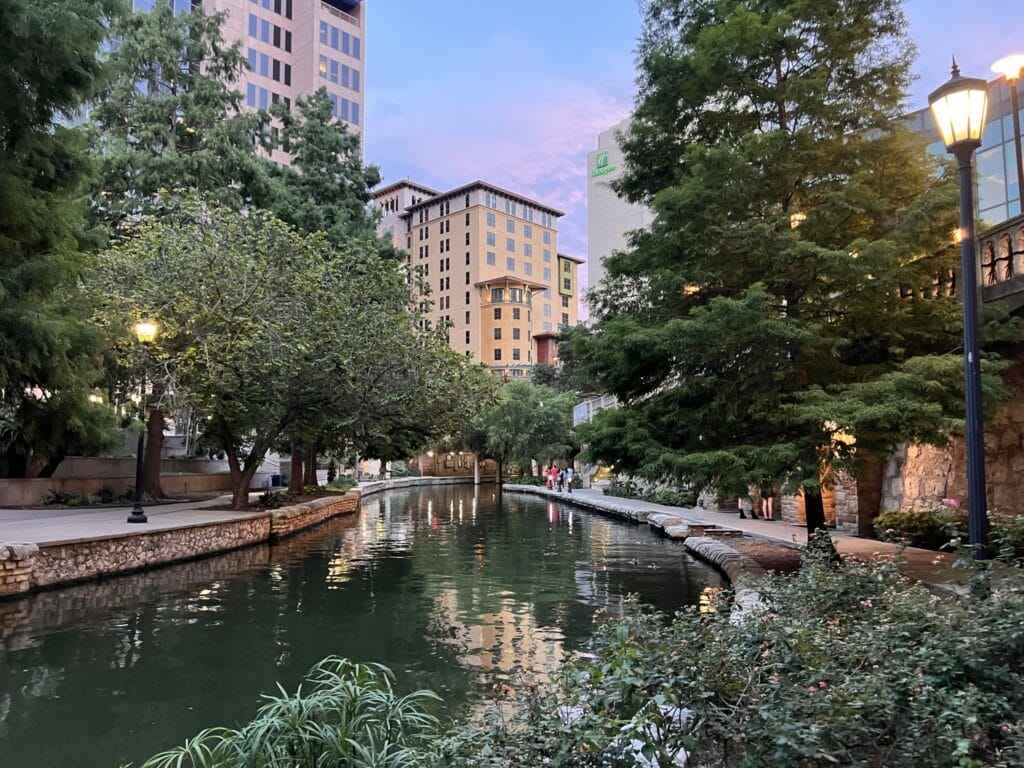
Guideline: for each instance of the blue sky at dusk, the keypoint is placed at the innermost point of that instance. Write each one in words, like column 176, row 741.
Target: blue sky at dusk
column 516, row 93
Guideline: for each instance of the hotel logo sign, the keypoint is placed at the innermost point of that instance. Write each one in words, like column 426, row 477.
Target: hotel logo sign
column 601, row 166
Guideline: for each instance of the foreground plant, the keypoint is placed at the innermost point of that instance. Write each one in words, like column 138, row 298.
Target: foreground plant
column 850, row 666
column 350, row 717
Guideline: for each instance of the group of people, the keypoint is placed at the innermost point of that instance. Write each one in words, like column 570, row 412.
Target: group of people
column 559, row 478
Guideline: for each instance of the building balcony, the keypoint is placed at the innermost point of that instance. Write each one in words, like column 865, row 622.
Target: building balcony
column 1002, row 263
column 343, row 9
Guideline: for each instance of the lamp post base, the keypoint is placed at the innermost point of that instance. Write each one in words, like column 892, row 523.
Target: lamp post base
column 137, row 515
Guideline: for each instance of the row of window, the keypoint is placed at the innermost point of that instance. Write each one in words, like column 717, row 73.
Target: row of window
column 345, row 109
column 515, row 355
column 340, row 40
column 263, row 30
column 510, row 226
column 336, row 72
column 280, row 7
column 515, row 334
column 268, row 66
column 261, row 98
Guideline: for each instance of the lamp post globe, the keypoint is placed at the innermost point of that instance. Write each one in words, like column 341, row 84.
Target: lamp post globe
column 959, row 107
column 146, row 332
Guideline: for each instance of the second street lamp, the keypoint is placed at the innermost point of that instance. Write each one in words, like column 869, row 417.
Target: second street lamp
column 145, row 332
column 1011, row 68
column 959, row 108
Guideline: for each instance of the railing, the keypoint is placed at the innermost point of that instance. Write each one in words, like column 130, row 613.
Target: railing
column 340, row 14
column 584, row 412
column 1002, row 262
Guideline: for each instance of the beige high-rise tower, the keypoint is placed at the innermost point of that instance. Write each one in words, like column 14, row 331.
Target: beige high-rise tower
column 296, row 46
column 490, row 257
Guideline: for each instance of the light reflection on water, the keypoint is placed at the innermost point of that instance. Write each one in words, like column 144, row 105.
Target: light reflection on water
column 452, row 590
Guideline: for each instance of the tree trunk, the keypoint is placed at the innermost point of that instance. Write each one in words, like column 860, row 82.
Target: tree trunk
column 814, row 511
column 500, row 472
column 240, row 493
column 51, row 465
column 154, row 446
column 310, row 476
column 295, row 479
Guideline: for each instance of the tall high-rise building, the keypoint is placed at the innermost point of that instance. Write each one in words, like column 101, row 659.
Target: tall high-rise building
column 490, row 257
column 609, row 217
column 296, row 46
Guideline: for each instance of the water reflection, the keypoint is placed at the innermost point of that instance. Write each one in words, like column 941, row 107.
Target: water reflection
column 456, row 590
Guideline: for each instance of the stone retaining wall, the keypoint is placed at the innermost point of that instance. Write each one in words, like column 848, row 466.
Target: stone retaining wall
column 379, row 486
column 287, row 521
column 606, row 505
column 27, row 567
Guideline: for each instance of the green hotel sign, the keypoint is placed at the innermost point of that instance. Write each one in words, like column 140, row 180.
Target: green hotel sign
column 601, row 166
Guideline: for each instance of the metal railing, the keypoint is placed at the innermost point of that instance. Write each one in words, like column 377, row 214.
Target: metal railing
column 1001, row 250
column 584, row 412
column 340, row 14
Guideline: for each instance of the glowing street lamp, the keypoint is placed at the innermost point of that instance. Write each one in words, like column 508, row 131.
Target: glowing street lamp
column 146, row 332
column 1011, row 67
column 959, row 108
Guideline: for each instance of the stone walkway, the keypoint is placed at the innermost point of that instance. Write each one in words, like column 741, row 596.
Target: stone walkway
column 931, row 568
column 57, row 526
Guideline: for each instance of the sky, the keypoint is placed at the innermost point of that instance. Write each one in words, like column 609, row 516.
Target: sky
column 516, row 93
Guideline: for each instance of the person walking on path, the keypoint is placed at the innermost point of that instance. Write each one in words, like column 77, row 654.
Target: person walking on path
column 568, row 478
column 561, row 480
column 767, row 500
column 552, row 476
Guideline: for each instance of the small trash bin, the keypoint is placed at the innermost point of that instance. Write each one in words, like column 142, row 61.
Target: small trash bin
column 276, row 481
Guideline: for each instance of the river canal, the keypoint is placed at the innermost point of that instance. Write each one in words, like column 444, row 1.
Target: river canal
column 457, row 590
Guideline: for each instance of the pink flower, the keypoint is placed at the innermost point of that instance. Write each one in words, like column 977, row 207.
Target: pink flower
column 822, row 684
column 867, row 603
column 811, row 689
column 950, row 502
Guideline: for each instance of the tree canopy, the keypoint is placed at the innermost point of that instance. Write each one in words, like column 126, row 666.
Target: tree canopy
column 790, row 308
column 49, row 356
column 529, row 422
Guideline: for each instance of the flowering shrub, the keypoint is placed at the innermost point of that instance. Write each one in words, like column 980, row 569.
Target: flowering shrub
column 929, row 528
column 849, row 666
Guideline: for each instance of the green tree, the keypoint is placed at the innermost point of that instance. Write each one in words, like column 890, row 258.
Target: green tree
column 326, row 188
column 171, row 120
column 786, row 314
column 529, row 422
column 48, row 355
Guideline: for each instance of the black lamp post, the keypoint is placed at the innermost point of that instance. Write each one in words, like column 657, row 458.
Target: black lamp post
column 959, row 108
column 1011, row 67
column 145, row 331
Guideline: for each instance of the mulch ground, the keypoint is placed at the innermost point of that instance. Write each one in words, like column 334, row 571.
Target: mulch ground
column 771, row 557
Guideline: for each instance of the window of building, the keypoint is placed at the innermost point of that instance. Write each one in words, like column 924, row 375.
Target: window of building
column 497, row 354
column 510, row 226
column 547, row 326
column 547, row 293
column 467, row 240
column 467, row 314
column 324, row 32
column 516, row 313
column 497, row 334
column 547, row 310
column 491, row 258
column 547, row 238
column 510, row 264
column 467, row 262
column 527, row 250
column 527, row 230
column 277, row 70
column 254, row 25
column 565, row 318
column 547, row 273
column 497, row 313
column 491, row 238
column 288, row 71
column 567, row 284
column 515, row 334
column 547, row 256
column 565, row 301
column 497, row 295
column 467, row 299
column 527, row 268
column 515, row 353
column 467, row 205
column 467, row 221
column 515, row 295
column 467, row 337
column 566, row 266
column 467, row 278
column 491, row 219
column 510, row 244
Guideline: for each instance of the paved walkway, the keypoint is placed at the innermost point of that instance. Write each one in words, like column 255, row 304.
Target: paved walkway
column 931, row 568
column 55, row 526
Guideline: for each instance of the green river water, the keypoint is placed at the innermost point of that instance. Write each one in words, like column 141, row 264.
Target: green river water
column 460, row 590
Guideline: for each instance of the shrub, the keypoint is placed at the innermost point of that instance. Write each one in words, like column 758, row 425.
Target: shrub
column 343, row 483
column 275, row 499
column 349, row 717
column 106, row 495
column 622, row 489
column 55, row 497
column 850, row 666
column 672, row 498
column 1006, row 537
column 401, row 469
column 81, row 499
column 925, row 528
column 531, row 480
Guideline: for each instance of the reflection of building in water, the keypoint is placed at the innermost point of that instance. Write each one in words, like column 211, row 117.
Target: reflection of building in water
column 507, row 640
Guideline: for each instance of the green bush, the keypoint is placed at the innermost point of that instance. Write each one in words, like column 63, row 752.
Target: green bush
column 106, row 495
column 672, row 498
column 343, row 483
column 530, row 480
column 1006, row 536
column 275, row 499
column 925, row 528
column 621, row 489
column 843, row 666
column 348, row 717
column 401, row 469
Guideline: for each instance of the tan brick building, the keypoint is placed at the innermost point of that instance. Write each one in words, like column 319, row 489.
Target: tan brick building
column 491, row 260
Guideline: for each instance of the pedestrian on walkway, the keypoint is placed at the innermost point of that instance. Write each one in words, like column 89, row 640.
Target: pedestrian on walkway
column 739, row 503
column 561, row 480
column 552, row 476
column 568, row 478
column 767, row 500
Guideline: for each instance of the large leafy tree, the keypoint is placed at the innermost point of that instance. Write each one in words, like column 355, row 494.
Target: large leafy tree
column 48, row 354
column 171, row 119
column 788, row 312
column 529, row 422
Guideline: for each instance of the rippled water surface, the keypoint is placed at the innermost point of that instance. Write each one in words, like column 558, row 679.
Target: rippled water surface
column 456, row 590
